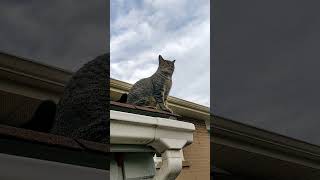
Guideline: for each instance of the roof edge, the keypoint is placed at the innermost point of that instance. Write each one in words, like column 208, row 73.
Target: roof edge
column 230, row 129
column 33, row 69
column 180, row 106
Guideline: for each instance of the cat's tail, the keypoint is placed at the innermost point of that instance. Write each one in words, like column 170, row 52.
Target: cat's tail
column 43, row 118
column 123, row 98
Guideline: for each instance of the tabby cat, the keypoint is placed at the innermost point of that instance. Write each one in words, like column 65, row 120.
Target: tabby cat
column 83, row 110
column 153, row 91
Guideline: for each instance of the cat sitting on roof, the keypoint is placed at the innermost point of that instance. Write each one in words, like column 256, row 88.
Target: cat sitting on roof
column 153, row 91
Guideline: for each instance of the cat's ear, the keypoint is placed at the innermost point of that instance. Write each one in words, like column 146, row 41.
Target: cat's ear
column 160, row 58
column 173, row 61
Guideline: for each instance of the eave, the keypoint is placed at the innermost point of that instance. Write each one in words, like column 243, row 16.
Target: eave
column 32, row 79
column 266, row 154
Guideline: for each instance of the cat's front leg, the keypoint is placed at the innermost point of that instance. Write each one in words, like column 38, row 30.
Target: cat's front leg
column 164, row 107
column 159, row 96
column 163, row 104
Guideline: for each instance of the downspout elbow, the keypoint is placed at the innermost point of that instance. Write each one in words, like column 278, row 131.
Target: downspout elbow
column 171, row 165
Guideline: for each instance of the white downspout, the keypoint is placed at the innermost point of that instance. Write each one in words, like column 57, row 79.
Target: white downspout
column 166, row 136
column 171, row 165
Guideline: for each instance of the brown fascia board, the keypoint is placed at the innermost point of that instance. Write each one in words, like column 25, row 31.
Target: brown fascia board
column 27, row 143
column 52, row 140
column 226, row 130
column 141, row 110
column 38, row 137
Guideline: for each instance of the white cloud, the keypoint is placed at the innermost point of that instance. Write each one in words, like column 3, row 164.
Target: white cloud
column 175, row 29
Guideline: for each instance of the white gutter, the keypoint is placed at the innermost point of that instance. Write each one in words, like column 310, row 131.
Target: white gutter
column 166, row 136
column 17, row 168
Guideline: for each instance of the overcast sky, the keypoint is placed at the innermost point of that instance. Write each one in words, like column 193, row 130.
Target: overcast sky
column 63, row 33
column 266, row 65
column 180, row 30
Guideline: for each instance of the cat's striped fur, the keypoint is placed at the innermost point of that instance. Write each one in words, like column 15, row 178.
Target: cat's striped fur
column 154, row 90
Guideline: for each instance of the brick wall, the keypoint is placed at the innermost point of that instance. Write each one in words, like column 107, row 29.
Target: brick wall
column 197, row 154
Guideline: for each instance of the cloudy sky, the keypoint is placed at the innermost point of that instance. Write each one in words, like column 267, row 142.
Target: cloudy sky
column 62, row 33
column 266, row 65
column 143, row 29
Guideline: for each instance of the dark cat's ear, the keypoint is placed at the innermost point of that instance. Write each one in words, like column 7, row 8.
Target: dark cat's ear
column 160, row 58
column 173, row 61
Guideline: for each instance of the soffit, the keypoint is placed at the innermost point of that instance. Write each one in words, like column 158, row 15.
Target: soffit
column 249, row 151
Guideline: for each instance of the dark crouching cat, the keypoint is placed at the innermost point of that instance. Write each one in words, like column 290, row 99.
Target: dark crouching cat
column 153, row 91
column 83, row 111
